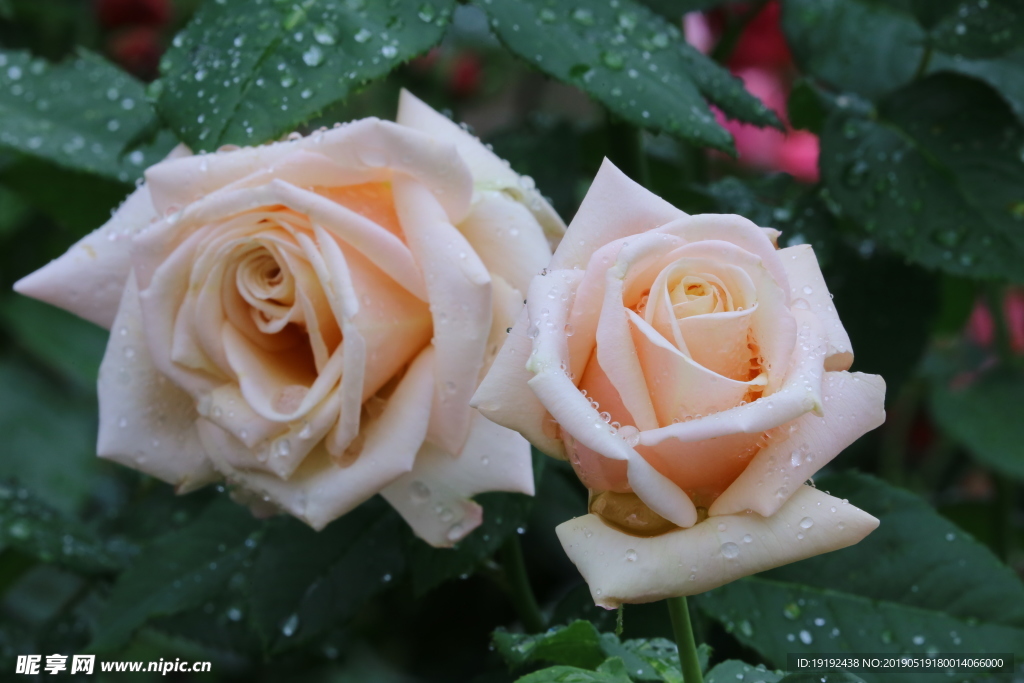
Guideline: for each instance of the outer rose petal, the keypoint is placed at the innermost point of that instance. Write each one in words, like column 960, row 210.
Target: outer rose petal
column 807, row 283
column 365, row 151
column 459, row 288
column 146, row 422
column 505, row 397
column 320, row 491
column 506, row 238
column 89, row 278
column 434, row 498
column 614, row 207
column 854, row 405
column 490, row 172
column 622, row 568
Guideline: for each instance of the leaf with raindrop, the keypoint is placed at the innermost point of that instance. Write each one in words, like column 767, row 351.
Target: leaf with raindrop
column 631, row 60
column 935, row 174
column 732, row 670
column 304, row 582
column 916, row 584
column 45, row 534
column 246, row 72
column 178, row 571
column 580, row 645
column 84, row 114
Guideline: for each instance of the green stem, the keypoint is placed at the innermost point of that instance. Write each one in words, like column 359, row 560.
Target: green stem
column 922, row 66
column 519, row 586
column 683, row 629
column 626, row 150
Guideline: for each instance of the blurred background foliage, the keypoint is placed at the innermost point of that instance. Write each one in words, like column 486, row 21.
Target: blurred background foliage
column 889, row 134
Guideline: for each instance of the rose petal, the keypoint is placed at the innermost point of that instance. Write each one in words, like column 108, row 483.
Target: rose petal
column 620, row 568
column 89, row 279
column 460, row 300
column 680, row 388
column 660, row 493
column 320, row 491
column 614, row 207
column 155, row 246
column 738, row 231
column 504, row 395
column 548, row 302
column 807, row 283
column 800, row 393
column 507, row 238
column 434, row 498
column 368, row 150
column 854, row 405
column 489, row 171
column 146, row 423
column 617, row 354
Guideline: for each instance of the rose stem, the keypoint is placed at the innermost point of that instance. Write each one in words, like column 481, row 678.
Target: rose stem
column 680, row 613
column 519, row 586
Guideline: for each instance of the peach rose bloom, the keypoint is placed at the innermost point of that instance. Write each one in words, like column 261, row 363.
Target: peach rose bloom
column 308, row 319
column 695, row 376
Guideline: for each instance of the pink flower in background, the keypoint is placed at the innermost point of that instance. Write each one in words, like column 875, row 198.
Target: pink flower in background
column 762, row 60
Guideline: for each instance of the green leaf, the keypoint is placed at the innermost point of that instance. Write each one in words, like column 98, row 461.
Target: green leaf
column 82, row 115
column 178, row 571
column 733, row 670
column 979, row 29
column 869, row 48
column 38, row 530
column 936, row 176
column 304, row 582
column 983, row 414
column 1005, row 74
column 916, row 584
column 577, row 644
column 244, row 73
column 632, row 61
column 612, row 671
column 580, row 645
column 65, row 343
column 49, row 435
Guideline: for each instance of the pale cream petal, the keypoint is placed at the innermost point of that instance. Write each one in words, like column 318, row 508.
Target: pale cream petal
column 614, row 207
column 660, row 493
column 489, row 171
column 854, row 404
column 320, row 490
column 460, row 301
column 738, row 231
column 504, row 395
column 548, row 304
column 435, row 497
column 368, row 150
column 146, row 422
column 800, row 393
column 89, row 279
column 806, row 282
column 617, row 354
column 620, row 568
column 383, row 248
column 507, row 238
column 680, row 388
